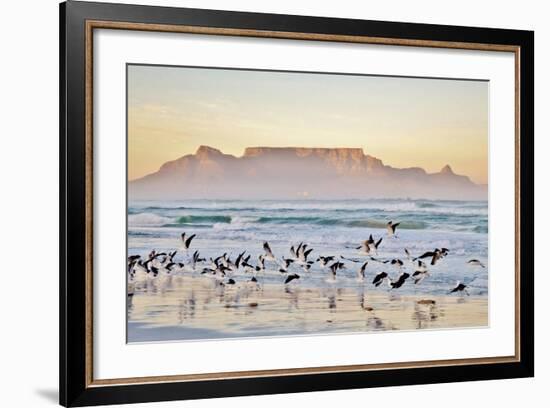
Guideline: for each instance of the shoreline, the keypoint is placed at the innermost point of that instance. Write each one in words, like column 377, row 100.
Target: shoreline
column 191, row 308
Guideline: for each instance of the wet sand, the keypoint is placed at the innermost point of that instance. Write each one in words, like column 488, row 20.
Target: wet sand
column 193, row 307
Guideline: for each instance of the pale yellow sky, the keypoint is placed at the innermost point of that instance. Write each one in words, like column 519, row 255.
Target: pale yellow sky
column 404, row 122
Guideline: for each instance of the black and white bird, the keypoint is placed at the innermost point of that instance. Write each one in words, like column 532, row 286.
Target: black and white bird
column 186, row 241
column 133, row 258
column 382, row 261
column 234, row 266
column 391, row 227
column 283, row 266
column 475, row 262
column 436, row 255
column 396, row 284
column 302, row 253
column 355, row 260
column 460, row 287
column 245, row 263
column 333, row 270
column 421, row 266
column 157, row 258
column 195, row 260
column 219, row 273
column 261, row 264
column 293, row 253
column 374, row 245
column 361, row 272
column 225, row 260
column 291, row 277
column 419, row 276
column 268, row 253
column 379, row 278
column 397, row 263
column 153, row 272
column 307, row 266
column 140, row 271
column 171, row 255
column 217, row 260
column 369, row 246
column 324, row 260
column 131, row 263
column 421, row 272
column 175, row 267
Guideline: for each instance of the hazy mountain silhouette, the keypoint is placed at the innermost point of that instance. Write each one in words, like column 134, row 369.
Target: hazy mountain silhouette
column 297, row 172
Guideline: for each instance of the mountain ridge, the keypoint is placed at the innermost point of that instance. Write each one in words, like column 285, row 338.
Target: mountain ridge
column 297, row 172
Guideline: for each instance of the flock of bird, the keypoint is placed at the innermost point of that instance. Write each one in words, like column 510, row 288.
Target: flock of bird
column 226, row 271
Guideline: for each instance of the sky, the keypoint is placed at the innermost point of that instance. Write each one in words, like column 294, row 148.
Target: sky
column 405, row 122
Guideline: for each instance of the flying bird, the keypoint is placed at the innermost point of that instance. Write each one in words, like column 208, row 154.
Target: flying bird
column 396, row 284
column 361, row 272
column 355, row 260
column 333, row 270
column 378, row 279
column 238, row 261
column 291, row 277
column 475, row 262
column 268, row 253
column 247, row 267
column 369, row 245
column 419, row 276
column 372, row 258
column 337, row 265
column 133, row 258
column 140, row 271
column 302, row 253
column 261, row 264
column 293, row 252
column 196, row 259
column 283, row 267
column 324, row 260
column 171, row 255
column 397, row 262
column 187, row 241
column 391, row 228
column 436, row 254
column 460, row 287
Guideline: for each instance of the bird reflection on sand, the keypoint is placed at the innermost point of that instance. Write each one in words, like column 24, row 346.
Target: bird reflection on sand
column 187, row 307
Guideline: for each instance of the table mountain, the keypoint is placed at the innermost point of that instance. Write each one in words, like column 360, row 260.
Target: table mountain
column 297, row 172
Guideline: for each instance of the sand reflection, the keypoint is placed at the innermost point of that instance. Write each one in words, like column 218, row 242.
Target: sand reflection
column 194, row 307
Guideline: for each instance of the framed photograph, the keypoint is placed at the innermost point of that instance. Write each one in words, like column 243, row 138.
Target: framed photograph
column 256, row 203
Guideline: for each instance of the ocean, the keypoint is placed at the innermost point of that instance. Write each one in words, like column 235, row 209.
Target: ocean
column 330, row 227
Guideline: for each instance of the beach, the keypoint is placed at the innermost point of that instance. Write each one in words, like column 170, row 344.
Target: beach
column 191, row 305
